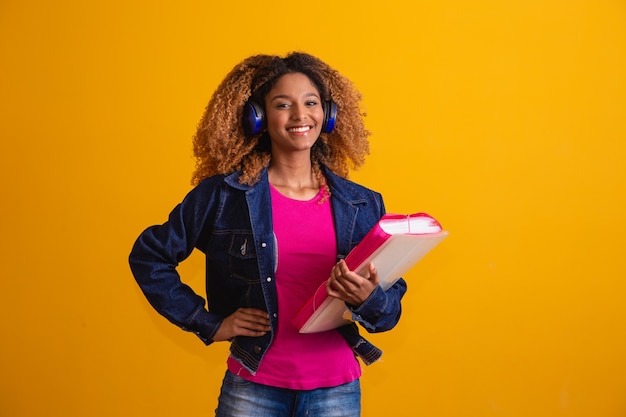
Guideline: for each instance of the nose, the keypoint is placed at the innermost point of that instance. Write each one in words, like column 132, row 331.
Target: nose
column 298, row 112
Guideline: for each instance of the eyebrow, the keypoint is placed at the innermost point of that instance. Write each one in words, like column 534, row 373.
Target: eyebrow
column 288, row 97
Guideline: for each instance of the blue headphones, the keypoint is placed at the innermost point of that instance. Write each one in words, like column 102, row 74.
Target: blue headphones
column 253, row 117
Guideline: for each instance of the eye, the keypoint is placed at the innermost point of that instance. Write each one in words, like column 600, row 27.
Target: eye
column 312, row 103
column 282, row 105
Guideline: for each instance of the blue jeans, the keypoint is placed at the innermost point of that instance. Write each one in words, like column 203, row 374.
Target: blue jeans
column 242, row 398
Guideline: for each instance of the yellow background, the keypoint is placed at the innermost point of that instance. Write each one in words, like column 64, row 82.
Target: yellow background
column 504, row 119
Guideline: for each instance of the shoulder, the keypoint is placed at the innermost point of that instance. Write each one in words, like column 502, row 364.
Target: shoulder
column 208, row 184
column 208, row 189
column 354, row 194
column 221, row 187
column 208, row 198
column 350, row 189
column 217, row 182
column 212, row 181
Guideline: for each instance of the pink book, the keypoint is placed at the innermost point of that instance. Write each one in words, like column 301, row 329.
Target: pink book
column 394, row 245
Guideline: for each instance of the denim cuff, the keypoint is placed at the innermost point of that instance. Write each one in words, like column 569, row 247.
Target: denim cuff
column 371, row 309
column 204, row 325
column 361, row 347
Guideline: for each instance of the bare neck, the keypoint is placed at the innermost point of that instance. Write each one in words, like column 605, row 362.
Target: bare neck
column 294, row 180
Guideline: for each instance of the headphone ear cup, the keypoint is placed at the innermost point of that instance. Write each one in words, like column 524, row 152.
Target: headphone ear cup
column 253, row 118
column 330, row 116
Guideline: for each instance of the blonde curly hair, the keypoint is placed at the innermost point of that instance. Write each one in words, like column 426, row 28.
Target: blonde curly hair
column 221, row 146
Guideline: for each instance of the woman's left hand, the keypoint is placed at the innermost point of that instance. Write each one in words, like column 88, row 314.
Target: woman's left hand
column 349, row 286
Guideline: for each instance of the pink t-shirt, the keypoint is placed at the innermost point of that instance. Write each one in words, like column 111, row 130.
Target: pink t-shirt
column 307, row 251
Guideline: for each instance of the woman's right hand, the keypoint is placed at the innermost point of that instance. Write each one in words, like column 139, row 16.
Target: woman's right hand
column 243, row 322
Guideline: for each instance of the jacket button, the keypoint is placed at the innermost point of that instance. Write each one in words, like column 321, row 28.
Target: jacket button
column 258, row 350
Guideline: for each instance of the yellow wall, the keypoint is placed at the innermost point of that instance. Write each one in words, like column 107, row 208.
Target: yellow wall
column 506, row 120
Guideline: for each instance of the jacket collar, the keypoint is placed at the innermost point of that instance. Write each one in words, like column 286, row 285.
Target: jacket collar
column 340, row 187
column 233, row 180
column 343, row 188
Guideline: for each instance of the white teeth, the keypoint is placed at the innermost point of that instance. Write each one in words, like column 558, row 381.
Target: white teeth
column 299, row 129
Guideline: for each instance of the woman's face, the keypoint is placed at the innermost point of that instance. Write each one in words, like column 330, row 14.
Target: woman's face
column 294, row 112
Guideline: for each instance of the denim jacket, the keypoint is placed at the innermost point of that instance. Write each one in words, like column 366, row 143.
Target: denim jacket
column 231, row 223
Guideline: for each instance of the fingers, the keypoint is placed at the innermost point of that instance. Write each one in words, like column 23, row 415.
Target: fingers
column 251, row 319
column 342, row 270
column 343, row 276
column 253, row 314
column 373, row 274
column 243, row 322
column 349, row 286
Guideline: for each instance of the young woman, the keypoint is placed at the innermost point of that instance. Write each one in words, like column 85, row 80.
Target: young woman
column 274, row 214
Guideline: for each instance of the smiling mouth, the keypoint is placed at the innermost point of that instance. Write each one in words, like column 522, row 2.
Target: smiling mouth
column 299, row 129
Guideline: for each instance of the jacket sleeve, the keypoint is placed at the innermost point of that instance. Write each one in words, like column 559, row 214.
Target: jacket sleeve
column 382, row 309
column 158, row 251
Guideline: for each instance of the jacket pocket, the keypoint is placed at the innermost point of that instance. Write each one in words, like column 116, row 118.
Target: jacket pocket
column 243, row 258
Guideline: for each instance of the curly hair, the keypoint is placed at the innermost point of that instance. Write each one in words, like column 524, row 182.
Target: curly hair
column 221, row 146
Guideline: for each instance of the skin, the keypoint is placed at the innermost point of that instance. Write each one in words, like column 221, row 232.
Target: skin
column 294, row 121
